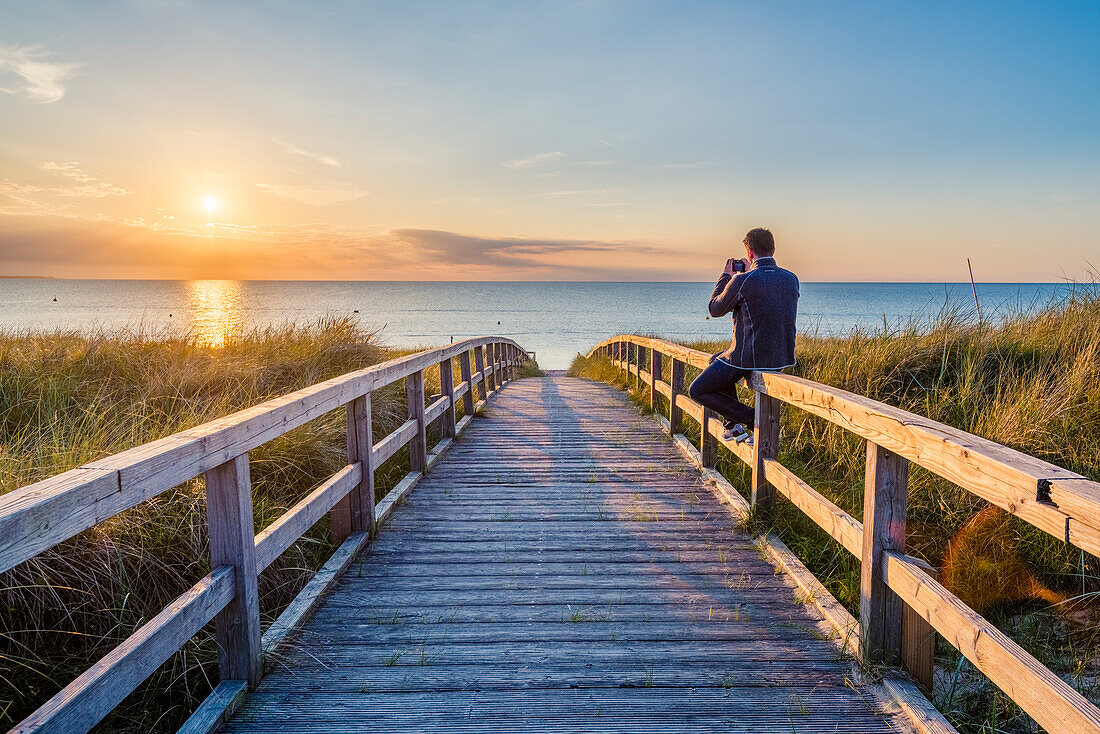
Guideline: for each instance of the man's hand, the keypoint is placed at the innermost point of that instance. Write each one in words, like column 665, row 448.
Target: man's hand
column 729, row 265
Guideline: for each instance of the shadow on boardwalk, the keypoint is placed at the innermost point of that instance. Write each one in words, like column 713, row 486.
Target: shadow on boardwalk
column 562, row 569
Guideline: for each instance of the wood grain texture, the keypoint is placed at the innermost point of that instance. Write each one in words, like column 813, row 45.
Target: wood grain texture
column 564, row 568
column 41, row 515
column 84, row 702
column 1005, row 477
column 885, row 503
column 232, row 543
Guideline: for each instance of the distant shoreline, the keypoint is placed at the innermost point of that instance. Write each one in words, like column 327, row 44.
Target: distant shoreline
column 539, row 282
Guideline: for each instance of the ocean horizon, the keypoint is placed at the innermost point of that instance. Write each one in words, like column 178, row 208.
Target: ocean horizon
column 556, row 319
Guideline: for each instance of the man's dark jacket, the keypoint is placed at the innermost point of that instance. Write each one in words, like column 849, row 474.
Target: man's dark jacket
column 764, row 302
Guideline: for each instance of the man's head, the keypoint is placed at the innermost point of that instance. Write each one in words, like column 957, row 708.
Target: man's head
column 760, row 242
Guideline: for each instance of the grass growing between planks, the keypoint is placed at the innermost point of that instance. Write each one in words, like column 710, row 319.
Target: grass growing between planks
column 1032, row 382
column 70, row 398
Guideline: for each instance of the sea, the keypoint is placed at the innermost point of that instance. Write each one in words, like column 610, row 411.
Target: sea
column 556, row 320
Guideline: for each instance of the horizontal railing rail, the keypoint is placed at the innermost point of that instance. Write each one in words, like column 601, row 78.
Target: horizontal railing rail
column 902, row 607
column 41, row 515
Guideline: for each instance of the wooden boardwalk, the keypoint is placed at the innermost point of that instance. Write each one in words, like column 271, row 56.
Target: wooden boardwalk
column 562, row 568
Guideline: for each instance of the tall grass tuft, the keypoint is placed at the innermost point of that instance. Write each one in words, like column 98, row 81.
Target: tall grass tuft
column 67, row 398
column 1030, row 381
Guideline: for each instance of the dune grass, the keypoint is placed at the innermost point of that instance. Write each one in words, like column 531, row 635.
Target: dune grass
column 69, row 398
column 1030, row 381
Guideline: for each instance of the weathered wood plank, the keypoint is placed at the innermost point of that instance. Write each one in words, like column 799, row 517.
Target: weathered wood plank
column 1048, row 699
column 84, row 702
column 232, row 543
column 885, row 502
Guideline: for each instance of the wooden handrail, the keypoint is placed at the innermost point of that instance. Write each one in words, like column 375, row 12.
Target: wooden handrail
column 1056, row 500
column 41, row 515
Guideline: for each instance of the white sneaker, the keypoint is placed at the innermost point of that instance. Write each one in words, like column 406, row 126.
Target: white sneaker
column 736, row 433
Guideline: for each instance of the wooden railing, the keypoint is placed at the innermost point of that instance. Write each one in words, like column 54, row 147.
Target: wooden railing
column 41, row 515
column 900, row 603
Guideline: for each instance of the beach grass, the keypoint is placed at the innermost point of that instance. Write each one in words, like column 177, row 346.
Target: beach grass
column 67, row 398
column 1030, row 381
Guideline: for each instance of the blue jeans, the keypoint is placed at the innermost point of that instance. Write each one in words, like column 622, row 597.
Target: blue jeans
column 716, row 388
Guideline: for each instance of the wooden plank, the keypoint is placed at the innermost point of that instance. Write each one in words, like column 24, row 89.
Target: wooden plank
column 1012, row 480
column 307, row 599
column 446, row 379
column 885, row 499
column 436, row 409
column 354, row 511
column 84, row 702
column 232, row 543
column 479, row 360
column 1045, row 697
column 40, row 515
column 655, row 372
column 765, row 446
column 221, row 702
column 1002, row 476
column 292, row 524
column 918, row 648
column 392, row 443
column 845, row 529
column 676, row 397
column 468, row 394
column 414, row 397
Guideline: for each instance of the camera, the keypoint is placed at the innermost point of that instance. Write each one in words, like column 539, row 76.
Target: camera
column 738, row 266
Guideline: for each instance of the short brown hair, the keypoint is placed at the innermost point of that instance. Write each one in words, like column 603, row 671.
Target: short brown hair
column 761, row 242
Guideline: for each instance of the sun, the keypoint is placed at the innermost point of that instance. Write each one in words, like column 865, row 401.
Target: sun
column 210, row 203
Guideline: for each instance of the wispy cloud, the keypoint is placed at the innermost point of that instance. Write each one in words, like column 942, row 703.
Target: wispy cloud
column 309, row 155
column 535, row 160
column 26, row 199
column 594, row 164
column 40, row 80
column 321, row 195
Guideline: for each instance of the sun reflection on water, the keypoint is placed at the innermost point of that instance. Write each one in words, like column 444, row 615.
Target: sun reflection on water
column 215, row 311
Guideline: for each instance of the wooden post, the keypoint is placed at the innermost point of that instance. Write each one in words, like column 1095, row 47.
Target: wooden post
column 708, row 442
column 418, row 446
column 654, row 375
column 479, row 362
column 638, row 366
column 447, row 387
column 355, row 512
column 675, row 414
column 885, row 497
column 765, row 441
column 233, row 543
column 464, row 370
column 918, row 648
column 491, row 363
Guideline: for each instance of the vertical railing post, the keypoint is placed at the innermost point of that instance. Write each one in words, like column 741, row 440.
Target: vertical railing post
column 464, row 370
column 233, row 543
column 708, row 442
column 675, row 413
column 491, row 363
column 479, row 362
column 447, row 387
column 638, row 350
column 885, row 499
column 918, row 648
column 355, row 512
column 414, row 396
column 765, row 445
column 631, row 351
column 654, row 375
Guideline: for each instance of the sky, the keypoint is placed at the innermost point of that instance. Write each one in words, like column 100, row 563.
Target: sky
column 565, row 140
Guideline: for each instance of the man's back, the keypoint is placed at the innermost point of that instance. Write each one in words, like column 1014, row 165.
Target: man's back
column 764, row 304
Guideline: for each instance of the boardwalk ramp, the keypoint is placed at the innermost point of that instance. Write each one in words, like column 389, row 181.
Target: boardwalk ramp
column 562, row 568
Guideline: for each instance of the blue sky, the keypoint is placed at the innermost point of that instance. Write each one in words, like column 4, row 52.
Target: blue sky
column 572, row 140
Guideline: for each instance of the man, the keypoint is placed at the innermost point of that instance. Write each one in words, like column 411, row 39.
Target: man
column 763, row 299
